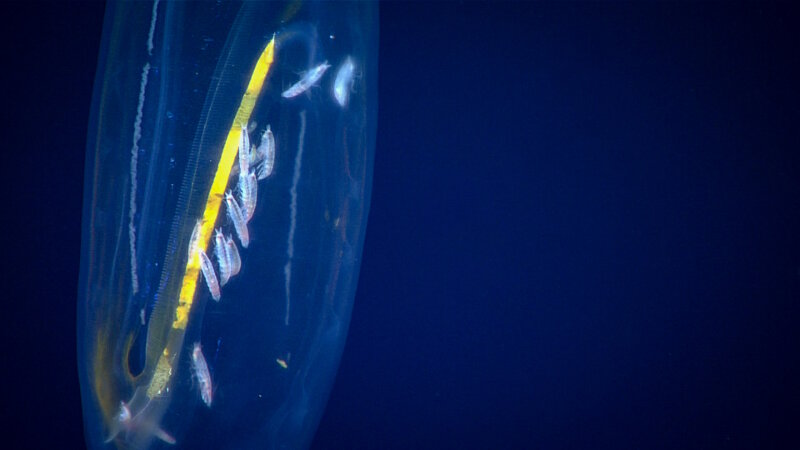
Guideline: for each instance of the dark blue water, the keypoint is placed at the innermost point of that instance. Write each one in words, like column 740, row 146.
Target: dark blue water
column 583, row 231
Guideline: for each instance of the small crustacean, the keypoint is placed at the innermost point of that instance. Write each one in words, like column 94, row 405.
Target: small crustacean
column 194, row 238
column 236, row 216
column 208, row 274
column 234, row 259
column 266, row 154
column 244, row 150
column 248, row 192
column 200, row 368
column 309, row 79
column 344, row 82
column 223, row 261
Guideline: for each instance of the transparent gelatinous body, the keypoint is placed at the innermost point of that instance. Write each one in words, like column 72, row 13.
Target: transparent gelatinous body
column 184, row 96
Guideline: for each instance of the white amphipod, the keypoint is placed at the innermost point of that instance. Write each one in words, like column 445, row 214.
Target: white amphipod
column 200, row 368
column 266, row 152
column 234, row 259
column 193, row 239
column 244, row 151
column 208, row 274
column 309, row 79
column 257, row 151
column 236, row 216
column 222, row 257
column 344, row 82
column 248, row 192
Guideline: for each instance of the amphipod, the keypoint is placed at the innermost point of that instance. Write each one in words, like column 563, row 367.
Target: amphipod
column 236, row 216
column 234, row 259
column 223, row 261
column 248, row 191
column 208, row 274
column 202, row 374
column 309, row 79
column 244, row 151
column 266, row 152
column 344, row 82
column 193, row 239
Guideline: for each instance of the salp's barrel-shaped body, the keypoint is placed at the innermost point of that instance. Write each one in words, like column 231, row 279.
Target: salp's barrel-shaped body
column 227, row 186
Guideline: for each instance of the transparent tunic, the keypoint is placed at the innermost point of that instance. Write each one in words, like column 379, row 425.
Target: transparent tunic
column 227, row 186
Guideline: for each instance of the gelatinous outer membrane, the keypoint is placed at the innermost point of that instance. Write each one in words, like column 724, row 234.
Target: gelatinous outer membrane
column 175, row 83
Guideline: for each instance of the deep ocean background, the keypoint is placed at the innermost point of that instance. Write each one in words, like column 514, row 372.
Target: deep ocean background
column 583, row 231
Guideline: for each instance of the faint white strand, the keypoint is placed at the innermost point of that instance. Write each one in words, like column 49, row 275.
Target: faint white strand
column 298, row 161
column 137, row 134
column 152, row 28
